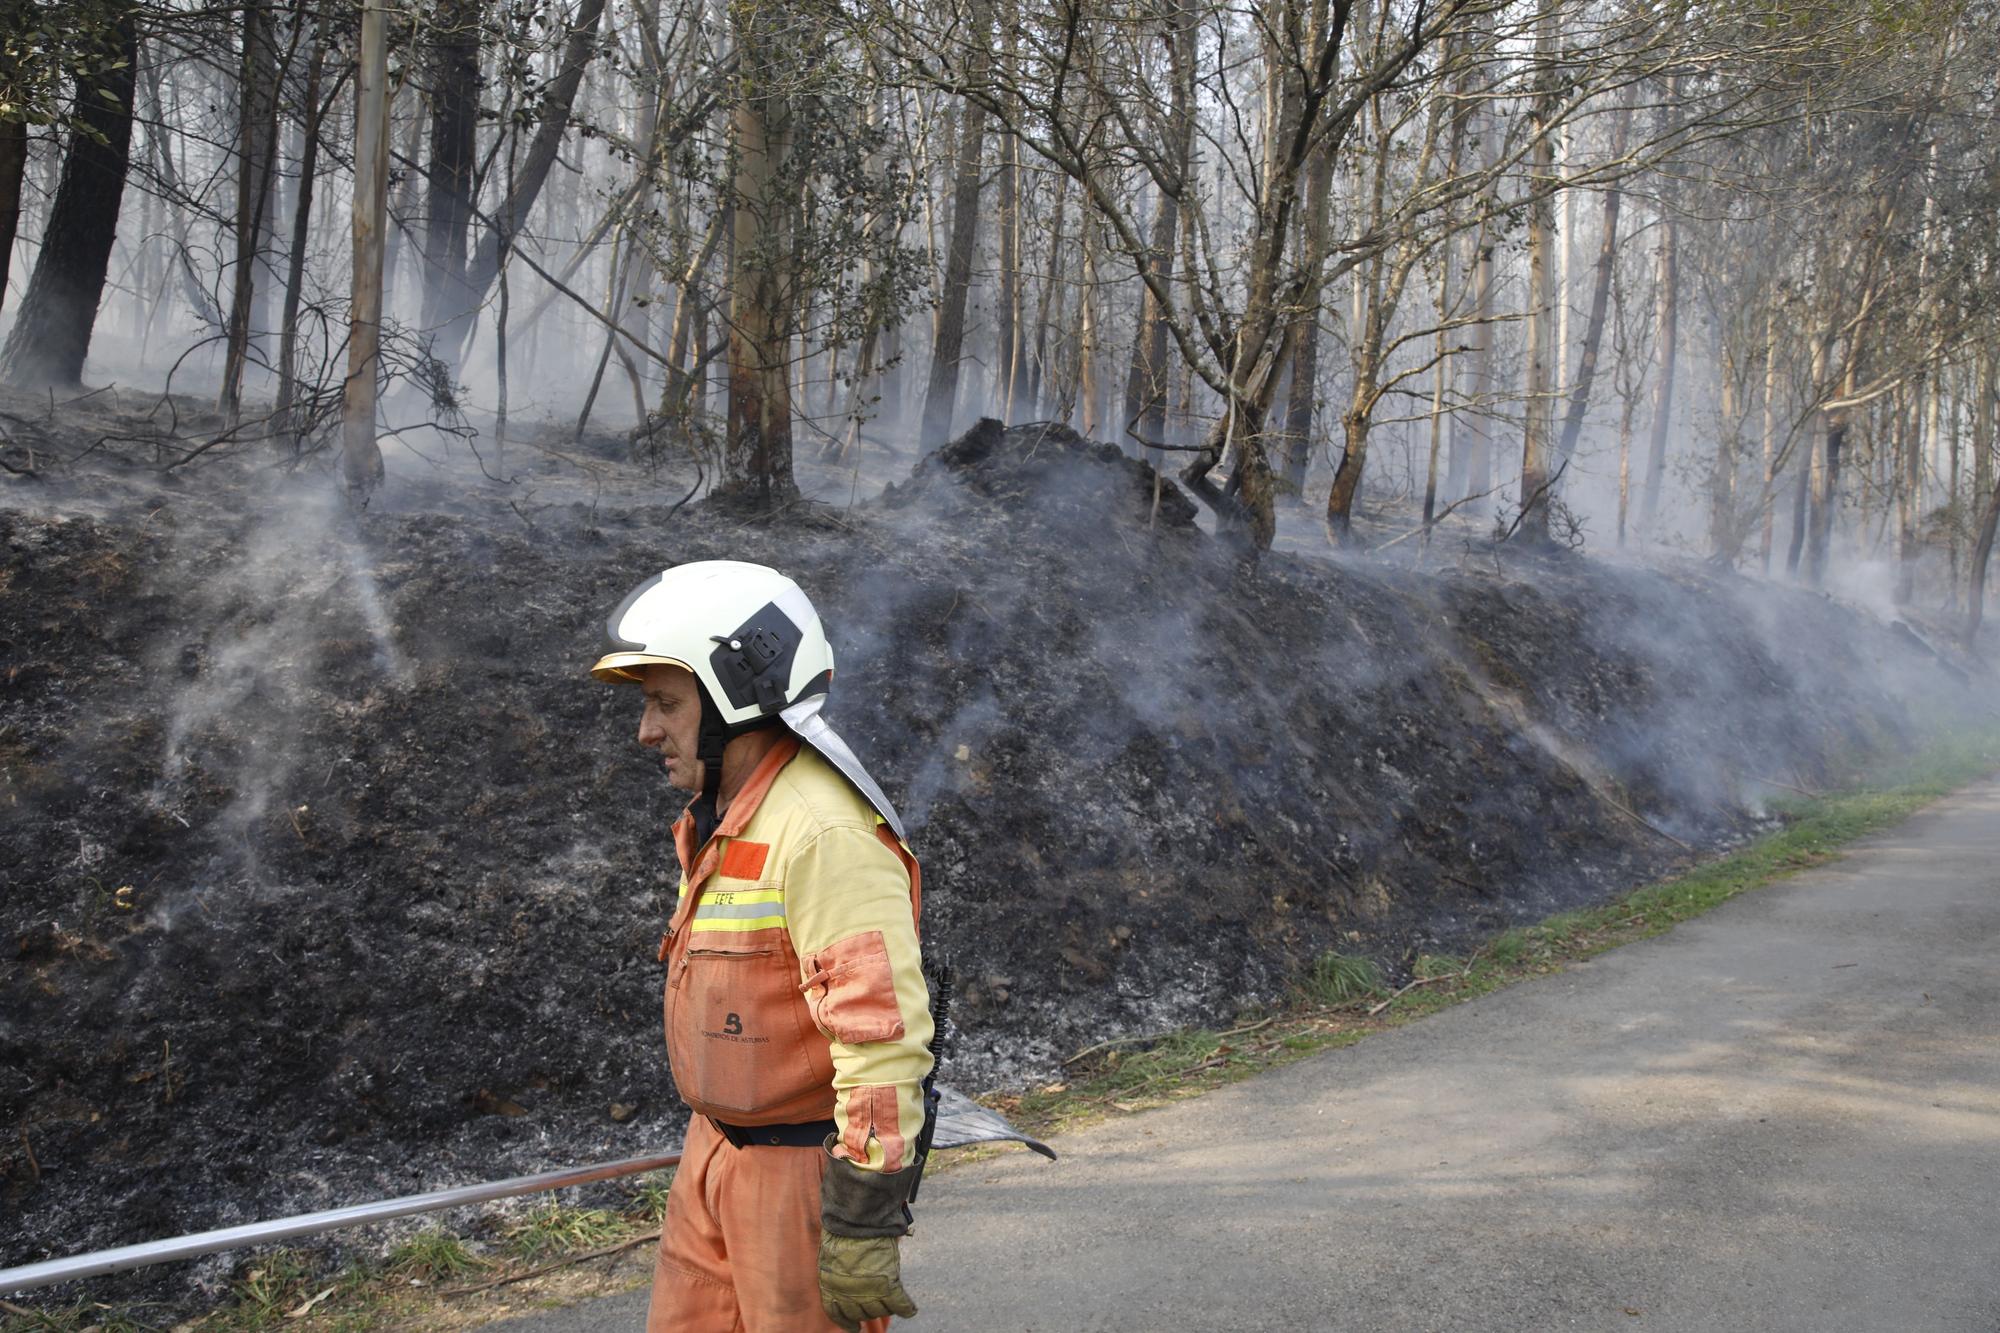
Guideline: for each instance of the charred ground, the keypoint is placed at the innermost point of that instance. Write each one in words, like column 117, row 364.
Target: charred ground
column 329, row 874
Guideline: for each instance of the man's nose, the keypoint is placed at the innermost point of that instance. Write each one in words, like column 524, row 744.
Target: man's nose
column 650, row 731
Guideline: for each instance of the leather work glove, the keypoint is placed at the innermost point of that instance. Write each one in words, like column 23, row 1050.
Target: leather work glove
column 861, row 1218
column 861, row 1277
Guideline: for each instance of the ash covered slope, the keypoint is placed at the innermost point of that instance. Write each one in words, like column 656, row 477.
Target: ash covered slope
column 396, row 870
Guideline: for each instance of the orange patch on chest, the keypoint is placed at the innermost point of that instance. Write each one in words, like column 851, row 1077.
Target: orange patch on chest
column 744, row 860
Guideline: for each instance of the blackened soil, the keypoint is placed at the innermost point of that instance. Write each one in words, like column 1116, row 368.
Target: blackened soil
column 329, row 873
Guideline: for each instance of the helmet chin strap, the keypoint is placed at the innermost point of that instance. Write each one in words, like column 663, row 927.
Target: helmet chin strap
column 709, row 744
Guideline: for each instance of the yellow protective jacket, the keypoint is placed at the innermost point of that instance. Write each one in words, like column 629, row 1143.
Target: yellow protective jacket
column 795, row 989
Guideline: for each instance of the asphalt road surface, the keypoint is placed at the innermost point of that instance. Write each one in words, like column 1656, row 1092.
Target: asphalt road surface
column 1784, row 1115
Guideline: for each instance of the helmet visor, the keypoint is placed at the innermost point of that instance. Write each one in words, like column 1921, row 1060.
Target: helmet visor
column 626, row 668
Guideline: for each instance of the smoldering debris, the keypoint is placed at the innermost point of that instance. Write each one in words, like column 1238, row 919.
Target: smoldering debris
column 330, row 874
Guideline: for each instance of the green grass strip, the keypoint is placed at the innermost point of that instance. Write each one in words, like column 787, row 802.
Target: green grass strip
column 1342, row 998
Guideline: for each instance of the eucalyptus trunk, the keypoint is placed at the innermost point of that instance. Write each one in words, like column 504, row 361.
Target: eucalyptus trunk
column 256, row 163
column 941, row 394
column 453, row 56
column 757, row 454
column 1982, row 555
column 531, row 174
column 1535, row 475
column 1146, row 381
column 360, row 454
column 1302, row 398
column 1825, row 499
column 1767, row 507
column 13, row 170
column 1666, row 293
column 1600, row 299
column 295, row 258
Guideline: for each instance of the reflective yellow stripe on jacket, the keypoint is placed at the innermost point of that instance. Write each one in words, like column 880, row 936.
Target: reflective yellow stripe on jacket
column 739, row 910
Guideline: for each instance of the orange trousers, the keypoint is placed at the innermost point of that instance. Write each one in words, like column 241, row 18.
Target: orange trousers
column 740, row 1249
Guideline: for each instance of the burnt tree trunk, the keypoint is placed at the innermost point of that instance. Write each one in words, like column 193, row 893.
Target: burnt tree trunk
column 13, row 169
column 1908, row 481
column 1302, row 393
column 1982, row 554
column 941, row 395
column 1801, row 510
column 1725, row 531
column 511, row 214
column 256, row 161
column 1040, row 371
column 448, row 201
column 1089, row 340
column 1246, row 502
column 757, row 453
column 25, row 14
column 404, row 201
column 51, row 336
column 1007, row 336
column 1478, row 462
column 295, row 260
column 1355, row 424
column 1825, row 501
column 360, row 453
column 1146, row 381
column 1147, row 385
column 1600, row 295
column 1301, row 400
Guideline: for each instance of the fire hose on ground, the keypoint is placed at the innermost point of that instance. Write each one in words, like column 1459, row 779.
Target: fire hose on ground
column 960, row 1123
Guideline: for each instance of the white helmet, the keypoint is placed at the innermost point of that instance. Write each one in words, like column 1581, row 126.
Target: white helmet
column 748, row 634
column 753, row 642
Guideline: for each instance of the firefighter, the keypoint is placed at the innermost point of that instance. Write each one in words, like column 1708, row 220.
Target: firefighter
column 797, row 1016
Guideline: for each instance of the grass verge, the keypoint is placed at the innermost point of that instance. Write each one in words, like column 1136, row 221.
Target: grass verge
column 435, row 1282
column 1343, row 998
column 556, row 1255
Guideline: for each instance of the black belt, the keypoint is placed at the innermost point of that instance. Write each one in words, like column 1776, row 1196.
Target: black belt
column 809, row 1134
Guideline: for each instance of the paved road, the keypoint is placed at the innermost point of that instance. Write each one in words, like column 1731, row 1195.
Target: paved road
column 1785, row 1115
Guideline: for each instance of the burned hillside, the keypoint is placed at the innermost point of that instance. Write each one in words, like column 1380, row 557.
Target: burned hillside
column 330, row 874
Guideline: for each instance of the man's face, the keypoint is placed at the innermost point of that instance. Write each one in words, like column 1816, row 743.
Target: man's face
column 672, row 721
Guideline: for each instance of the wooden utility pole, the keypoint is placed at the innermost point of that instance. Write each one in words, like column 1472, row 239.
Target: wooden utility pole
column 360, row 456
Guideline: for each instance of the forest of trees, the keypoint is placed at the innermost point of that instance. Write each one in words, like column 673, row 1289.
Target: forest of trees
column 1715, row 277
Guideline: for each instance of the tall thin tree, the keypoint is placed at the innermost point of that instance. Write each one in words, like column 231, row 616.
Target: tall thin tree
column 51, row 336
